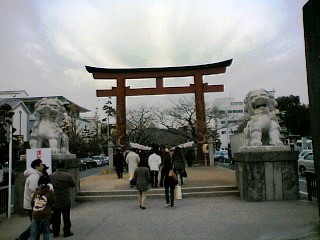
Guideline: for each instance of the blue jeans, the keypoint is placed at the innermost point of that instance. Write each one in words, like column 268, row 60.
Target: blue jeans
column 37, row 225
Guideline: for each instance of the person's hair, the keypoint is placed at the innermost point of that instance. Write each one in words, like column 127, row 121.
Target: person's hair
column 118, row 150
column 36, row 163
column 61, row 164
column 44, row 180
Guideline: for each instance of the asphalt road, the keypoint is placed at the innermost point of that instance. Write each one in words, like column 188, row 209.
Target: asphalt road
column 91, row 171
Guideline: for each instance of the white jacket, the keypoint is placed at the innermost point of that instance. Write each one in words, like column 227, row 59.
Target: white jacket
column 154, row 162
column 30, row 186
column 132, row 160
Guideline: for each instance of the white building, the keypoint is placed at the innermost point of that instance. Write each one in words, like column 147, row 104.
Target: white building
column 231, row 114
column 14, row 94
column 23, row 107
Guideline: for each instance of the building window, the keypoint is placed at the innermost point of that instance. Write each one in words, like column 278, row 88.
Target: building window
column 223, row 132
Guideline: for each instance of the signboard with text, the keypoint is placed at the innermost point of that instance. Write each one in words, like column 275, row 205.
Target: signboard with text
column 40, row 153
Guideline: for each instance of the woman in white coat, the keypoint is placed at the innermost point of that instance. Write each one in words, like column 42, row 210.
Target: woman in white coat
column 132, row 160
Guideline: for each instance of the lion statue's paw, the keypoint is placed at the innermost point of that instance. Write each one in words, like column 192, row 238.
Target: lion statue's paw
column 276, row 142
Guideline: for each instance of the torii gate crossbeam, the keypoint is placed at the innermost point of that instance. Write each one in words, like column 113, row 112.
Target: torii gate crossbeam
column 198, row 88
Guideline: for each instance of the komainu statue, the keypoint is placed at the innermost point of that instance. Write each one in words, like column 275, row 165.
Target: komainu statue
column 47, row 130
column 262, row 127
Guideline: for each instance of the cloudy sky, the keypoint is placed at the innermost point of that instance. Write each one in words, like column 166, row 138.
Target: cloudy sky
column 45, row 45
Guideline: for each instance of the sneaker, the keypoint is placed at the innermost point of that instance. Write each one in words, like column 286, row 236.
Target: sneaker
column 168, row 205
column 69, row 234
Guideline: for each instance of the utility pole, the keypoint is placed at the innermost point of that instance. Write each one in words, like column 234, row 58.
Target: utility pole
column 311, row 22
column 10, row 171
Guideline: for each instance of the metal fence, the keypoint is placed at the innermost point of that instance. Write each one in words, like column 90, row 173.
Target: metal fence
column 311, row 185
column 4, row 199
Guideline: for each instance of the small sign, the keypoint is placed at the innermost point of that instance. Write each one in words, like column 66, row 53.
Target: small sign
column 40, row 153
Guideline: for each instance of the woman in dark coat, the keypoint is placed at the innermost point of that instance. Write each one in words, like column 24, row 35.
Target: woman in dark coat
column 179, row 162
column 142, row 179
column 169, row 182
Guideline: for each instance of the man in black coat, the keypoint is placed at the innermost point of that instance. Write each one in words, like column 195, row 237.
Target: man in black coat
column 118, row 162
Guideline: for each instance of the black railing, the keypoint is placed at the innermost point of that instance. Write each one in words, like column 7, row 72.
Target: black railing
column 311, row 184
column 4, row 199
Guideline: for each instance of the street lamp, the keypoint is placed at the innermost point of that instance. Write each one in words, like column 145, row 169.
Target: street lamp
column 20, row 123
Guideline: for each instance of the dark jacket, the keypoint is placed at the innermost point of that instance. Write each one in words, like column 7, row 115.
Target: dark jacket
column 118, row 160
column 167, row 166
column 178, row 160
column 62, row 182
column 42, row 209
column 142, row 178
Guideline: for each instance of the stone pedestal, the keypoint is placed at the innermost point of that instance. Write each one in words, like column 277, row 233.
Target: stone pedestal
column 267, row 173
column 72, row 165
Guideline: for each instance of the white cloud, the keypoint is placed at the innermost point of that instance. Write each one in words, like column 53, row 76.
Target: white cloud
column 50, row 42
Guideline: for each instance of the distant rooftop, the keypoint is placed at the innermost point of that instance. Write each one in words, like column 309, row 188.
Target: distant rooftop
column 13, row 97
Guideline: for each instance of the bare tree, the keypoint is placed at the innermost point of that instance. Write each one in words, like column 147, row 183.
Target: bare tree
column 138, row 121
column 180, row 119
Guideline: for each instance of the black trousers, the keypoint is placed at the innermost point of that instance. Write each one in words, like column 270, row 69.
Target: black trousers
column 56, row 219
column 119, row 171
column 162, row 176
column 154, row 178
column 169, row 199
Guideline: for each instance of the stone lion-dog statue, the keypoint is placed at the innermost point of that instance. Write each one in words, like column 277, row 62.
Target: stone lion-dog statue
column 263, row 127
column 47, row 130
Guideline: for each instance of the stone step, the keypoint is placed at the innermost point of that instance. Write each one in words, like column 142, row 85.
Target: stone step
column 207, row 191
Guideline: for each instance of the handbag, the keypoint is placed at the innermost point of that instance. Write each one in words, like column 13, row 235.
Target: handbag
column 184, row 173
column 173, row 175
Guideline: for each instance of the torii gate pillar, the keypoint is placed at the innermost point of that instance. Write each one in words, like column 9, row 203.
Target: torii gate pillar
column 198, row 88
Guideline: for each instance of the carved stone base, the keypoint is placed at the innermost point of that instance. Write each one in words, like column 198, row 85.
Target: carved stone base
column 267, row 173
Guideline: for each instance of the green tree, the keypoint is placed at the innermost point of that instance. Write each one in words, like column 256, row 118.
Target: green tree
column 294, row 115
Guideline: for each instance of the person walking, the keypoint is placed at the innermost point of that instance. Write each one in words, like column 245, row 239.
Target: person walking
column 118, row 162
column 190, row 157
column 142, row 179
column 169, row 181
column 30, row 187
column 154, row 162
column 165, row 156
column 179, row 163
column 62, row 182
column 42, row 201
column 132, row 160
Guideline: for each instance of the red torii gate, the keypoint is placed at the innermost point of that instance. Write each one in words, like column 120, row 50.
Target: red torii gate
column 198, row 88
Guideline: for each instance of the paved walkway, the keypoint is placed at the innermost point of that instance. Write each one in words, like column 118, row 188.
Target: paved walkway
column 197, row 176
column 192, row 218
